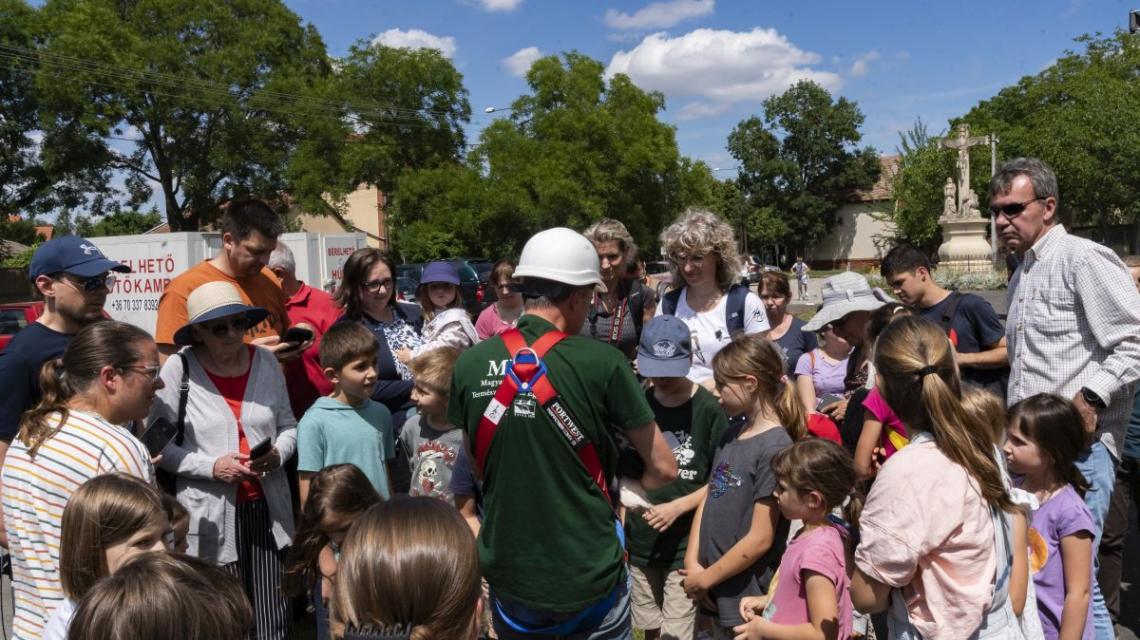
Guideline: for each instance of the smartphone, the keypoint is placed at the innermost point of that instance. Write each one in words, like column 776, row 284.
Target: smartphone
column 827, row 400
column 297, row 335
column 260, row 449
column 158, row 435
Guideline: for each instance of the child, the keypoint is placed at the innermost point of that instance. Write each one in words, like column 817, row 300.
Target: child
column 346, row 426
column 810, row 597
column 446, row 323
column 179, row 523
column 110, row 519
column 337, row 496
column 657, row 537
column 408, row 567
column 1045, row 435
column 737, row 535
column 883, row 433
column 935, row 517
column 429, row 442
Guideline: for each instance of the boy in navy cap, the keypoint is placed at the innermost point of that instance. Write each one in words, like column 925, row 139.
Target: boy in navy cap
column 693, row 424
column 73, row 277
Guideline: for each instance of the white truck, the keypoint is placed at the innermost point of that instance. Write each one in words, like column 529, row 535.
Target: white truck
column 156, row 259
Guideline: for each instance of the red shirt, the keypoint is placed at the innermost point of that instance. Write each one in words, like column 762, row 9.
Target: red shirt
column 304, row 377
column 233, row 391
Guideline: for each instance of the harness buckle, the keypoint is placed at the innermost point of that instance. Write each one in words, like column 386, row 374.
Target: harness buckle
column 522, row 357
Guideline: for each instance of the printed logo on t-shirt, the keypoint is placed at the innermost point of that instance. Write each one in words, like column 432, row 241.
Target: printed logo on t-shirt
column 684, row 453
column 434, row 456
column 723, row 478
column 524, row 406
column 1038, row 551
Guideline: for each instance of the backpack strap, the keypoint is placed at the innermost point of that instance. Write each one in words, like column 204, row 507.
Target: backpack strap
column 526, row 373
column 734, row 308
column 638, row 293
column 669, row 301
column 947, row 319
column 183, row 395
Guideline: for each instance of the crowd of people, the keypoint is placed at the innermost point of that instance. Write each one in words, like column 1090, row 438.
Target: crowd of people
column 583, row 458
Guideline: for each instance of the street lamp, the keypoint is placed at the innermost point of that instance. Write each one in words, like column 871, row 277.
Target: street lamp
column 494, row 109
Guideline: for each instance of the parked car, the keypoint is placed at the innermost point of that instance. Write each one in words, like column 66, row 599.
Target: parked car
column 406, row 289
column 15, row 316
column 473, row 291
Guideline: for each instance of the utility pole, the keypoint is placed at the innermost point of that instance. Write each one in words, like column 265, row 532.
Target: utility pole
column 993, row 140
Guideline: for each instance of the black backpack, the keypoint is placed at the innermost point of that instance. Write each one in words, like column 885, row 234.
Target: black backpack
column 733, row 307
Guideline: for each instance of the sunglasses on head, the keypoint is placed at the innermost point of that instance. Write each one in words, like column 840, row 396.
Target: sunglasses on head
column 1013, row 209
column 94, row 283
column 222, row 327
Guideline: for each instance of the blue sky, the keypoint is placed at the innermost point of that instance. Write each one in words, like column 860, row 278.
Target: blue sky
column 716, row 60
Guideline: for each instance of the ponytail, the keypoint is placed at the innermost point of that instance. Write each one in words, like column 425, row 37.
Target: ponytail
column 790, row 410
column 759, row 357
column 914, row 354
column 102, row 344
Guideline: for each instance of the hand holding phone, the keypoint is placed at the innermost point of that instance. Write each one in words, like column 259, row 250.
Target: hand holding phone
column 297, row 335
column 260, row 449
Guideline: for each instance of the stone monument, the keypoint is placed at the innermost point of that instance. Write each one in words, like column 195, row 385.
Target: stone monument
column 964, row 245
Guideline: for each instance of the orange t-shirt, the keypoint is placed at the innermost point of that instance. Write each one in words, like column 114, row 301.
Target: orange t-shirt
column 260, row 290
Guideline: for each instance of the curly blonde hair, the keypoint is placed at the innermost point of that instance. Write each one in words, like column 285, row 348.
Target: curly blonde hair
column 702, row 231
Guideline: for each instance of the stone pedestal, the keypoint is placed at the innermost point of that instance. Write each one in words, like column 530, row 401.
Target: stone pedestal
column 964, row 245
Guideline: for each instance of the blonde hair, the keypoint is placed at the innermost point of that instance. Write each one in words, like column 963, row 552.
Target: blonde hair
column 610, row 230
column 759, row 357
column 104, row 511
column 702, row 231
column 434, row 368
column 408, row 563
column 919, row 380
column 985, row 409
column 164, row 595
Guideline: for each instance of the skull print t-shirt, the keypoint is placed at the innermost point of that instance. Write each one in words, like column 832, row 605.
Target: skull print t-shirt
column 431, row 455
column 694, row 431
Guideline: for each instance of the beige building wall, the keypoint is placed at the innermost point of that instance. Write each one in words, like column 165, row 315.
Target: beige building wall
column 859, row 239
column 363, row 211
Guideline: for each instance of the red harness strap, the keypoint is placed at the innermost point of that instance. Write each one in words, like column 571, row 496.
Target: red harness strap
column 526, row 373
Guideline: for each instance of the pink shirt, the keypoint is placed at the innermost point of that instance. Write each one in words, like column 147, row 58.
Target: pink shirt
column 820, row 551
column 926, row 529
column 882, row 412
column 489, row 324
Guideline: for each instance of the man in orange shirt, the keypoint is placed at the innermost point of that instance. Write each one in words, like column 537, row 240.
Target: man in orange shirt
column 249, row 234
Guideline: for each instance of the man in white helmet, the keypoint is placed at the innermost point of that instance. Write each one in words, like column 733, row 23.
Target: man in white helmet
column 540, row 409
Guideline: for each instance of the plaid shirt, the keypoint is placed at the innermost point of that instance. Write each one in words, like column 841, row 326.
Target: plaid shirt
column 1074, row 321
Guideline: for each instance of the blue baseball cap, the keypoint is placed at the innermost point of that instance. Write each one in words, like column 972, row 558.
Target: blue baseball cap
column 441, row 271
column 75, row 255
column 665, row 349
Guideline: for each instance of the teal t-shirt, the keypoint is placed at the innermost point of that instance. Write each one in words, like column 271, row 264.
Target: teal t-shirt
column 548, row 539
column 336, row 433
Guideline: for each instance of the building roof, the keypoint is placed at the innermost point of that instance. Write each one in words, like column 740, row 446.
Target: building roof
column 883, row 189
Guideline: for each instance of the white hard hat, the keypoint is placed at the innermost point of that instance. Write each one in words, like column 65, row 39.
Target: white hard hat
column 561, row 255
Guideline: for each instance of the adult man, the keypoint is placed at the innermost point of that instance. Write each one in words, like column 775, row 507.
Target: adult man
column 549, row 545
column 1071, row 328
column 72, row 276
column 249, row 234
column 312, row 307
column 972, row 324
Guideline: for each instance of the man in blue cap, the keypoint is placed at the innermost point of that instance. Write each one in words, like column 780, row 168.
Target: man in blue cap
column 73, row 277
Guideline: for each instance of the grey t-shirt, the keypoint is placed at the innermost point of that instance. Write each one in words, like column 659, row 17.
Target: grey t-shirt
column 431, row 456
column 741, row 476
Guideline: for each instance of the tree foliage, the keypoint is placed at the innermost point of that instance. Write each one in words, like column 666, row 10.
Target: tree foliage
column 917, row 186
column 119, row 223
column 799, row 164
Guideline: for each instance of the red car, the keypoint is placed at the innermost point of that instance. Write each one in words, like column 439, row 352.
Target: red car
column 15, row 316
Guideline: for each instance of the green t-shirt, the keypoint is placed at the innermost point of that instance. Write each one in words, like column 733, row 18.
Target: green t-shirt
column 698, row 425
column 548, row 539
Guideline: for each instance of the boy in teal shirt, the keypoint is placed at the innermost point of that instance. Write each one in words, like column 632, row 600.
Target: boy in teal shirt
column 347, row 426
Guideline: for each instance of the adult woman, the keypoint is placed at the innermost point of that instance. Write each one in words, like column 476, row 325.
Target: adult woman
column 240, row 507
column 702, row 251
column 617, row 315
column 504, row 313
column 821, row 371
column 787, row 330
column 368, row 296
column 107, row 376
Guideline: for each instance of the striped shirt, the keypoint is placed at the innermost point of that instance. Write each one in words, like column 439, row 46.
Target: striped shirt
column 35, row 492
column 1074, row 321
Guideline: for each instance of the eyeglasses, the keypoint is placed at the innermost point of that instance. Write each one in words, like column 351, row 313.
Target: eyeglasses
column 151, row 371
column 221, row 328
column 373, row 286
column 1013, row 209
column 94, row 283
column 697, row 259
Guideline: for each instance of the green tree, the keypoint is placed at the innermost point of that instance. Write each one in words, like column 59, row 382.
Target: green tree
column 800, row 162
column 120, row 223
column 917, row 187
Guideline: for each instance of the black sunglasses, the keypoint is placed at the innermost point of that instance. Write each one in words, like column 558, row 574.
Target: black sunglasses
column 94, row 283
column 1013, row 209
column 222, row 327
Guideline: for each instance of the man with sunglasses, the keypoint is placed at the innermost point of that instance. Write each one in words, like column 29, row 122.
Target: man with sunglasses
column 1071, row 329
column 73, row 277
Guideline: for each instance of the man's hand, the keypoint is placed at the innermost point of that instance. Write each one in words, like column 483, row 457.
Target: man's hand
column 232, row 468
column 1088, row 416
column 662, row 516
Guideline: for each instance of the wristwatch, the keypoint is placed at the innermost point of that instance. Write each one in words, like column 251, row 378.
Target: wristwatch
column 1092, row 398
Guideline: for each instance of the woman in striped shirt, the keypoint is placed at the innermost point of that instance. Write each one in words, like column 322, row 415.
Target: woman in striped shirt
column 107, row 377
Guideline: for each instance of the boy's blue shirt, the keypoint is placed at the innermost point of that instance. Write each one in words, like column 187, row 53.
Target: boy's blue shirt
column 333, row 432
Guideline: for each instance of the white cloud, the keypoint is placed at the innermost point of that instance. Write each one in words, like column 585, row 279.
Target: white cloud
column 416, row 39
column 719, row 67
column 497, row 5
column 659, row 15
column 518, row 63
column 695, row 110
column 862, row 64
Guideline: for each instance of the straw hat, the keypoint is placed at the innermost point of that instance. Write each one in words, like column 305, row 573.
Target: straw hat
column 214, row 300
column 846, row 293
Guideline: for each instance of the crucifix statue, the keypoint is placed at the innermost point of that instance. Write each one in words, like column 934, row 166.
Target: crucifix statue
column 963, row 143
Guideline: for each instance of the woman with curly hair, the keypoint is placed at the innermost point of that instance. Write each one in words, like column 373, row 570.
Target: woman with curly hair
column 703, row 258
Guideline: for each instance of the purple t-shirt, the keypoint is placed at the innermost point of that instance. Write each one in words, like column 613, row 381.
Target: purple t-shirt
column 820, row 551
column 1062, row 515
column 825, row 376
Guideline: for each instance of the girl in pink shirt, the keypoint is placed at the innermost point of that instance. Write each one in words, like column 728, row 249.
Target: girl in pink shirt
column 808, row 597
